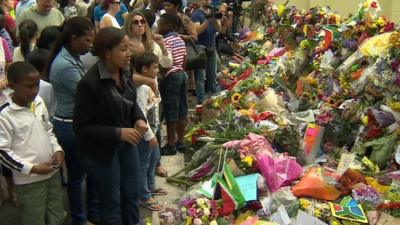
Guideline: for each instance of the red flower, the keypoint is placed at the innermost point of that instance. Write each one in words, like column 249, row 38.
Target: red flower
column 246, row 73
column 194, row 140
column 374, row 5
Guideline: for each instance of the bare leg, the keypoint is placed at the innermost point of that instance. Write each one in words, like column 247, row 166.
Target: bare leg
column 180, row 129
column 171, row 130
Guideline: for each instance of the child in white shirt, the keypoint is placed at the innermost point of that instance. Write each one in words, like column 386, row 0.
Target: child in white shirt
column 30, row 149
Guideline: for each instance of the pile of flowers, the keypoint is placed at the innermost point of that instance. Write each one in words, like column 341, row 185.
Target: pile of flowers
column 316, row 101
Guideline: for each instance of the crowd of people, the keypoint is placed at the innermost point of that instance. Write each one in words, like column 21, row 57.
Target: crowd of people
column 85, row 83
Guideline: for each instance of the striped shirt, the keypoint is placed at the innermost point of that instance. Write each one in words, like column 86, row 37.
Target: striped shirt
column 177, row 47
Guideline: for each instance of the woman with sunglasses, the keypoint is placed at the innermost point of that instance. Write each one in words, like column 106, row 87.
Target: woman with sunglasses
column 65, row 69
column 109, row 20
column 138, row 31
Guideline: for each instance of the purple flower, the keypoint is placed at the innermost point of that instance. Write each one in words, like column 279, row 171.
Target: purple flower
column 350, row 44
column 187, row 202
column 366, row 194
column 397, row 79
column 395, row 65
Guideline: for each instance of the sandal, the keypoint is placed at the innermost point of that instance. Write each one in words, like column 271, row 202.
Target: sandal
column 158, row 191
column 153, row 206
column 161, row 172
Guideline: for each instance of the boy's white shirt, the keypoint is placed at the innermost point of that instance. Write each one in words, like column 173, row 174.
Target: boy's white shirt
column 147, row 99
column 26, row 139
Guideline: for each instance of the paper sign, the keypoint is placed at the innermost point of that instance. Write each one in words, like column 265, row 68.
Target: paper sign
column 306, row 219
column 248, row 186
column 312, row 141
column 345, row 161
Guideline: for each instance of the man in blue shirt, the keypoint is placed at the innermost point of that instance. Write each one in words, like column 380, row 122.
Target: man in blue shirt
column 99, row 12
column 207, row 27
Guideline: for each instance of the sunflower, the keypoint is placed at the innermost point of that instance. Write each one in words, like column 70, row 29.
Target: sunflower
column 235, row 98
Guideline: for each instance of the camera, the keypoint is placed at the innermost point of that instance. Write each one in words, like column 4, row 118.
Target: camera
column 214, row 12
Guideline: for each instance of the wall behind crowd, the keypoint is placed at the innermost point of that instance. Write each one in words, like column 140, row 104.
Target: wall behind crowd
column 390, row 8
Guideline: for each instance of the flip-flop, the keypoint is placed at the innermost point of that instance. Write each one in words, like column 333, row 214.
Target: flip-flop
column 161, row 172
column 151, row 205
column 159, row 191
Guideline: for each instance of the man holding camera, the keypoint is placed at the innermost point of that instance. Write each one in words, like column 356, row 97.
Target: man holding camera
column 206, row 20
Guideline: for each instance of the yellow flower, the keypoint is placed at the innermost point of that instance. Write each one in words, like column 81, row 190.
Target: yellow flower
column 380, row 21
column 317, row 213
column 215, row 104
column 189, row 221
column 394, row 105
column 251, row 105
column 268, row 81
column 235, row 98
column 305, row 29
column 304, row 203
column 364, row 120
column 281, row 9
column 365, row 5
column 248, row 160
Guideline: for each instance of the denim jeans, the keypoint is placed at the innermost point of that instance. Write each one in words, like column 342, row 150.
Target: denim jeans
column 75, row 176
column 174, row 96
column 148, row 164
column 117, row 184
column 206, row 78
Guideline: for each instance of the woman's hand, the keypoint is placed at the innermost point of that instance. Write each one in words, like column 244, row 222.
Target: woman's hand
column 153, row 143
column 131, row 135
column 141, row 126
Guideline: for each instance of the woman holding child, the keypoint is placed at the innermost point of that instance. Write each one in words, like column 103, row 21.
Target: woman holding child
column 142, row 40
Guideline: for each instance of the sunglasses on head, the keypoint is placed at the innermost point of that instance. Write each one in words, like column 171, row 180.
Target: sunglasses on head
column 136, row 22
column 116, row 3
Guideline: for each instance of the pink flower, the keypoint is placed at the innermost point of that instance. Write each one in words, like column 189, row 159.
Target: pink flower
column 192, row 212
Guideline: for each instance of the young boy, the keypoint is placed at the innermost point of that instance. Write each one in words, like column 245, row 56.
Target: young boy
column 29, row 148
column 146, row 65
column 173, row 90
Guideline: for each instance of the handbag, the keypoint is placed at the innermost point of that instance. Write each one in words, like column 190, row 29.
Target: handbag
column 196, row 56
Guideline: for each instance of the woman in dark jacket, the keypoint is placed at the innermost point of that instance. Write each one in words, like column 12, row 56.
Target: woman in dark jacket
column 108, row 124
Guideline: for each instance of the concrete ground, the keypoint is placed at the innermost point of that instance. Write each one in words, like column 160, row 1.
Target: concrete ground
column 9, row 215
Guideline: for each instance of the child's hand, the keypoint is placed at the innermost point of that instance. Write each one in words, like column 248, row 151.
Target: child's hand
column 42, row 168
column 141, row 126
column 153, row 143
column 130, row 135
column 58, row 159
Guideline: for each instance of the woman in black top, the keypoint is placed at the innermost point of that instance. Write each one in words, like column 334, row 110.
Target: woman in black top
column 108, row 124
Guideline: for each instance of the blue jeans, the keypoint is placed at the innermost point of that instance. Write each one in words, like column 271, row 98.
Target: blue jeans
column 76, row 175
column 206, row 78
column 148, row 164
column 117, row 184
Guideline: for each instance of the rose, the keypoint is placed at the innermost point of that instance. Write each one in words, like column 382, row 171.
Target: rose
column 197, row 221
